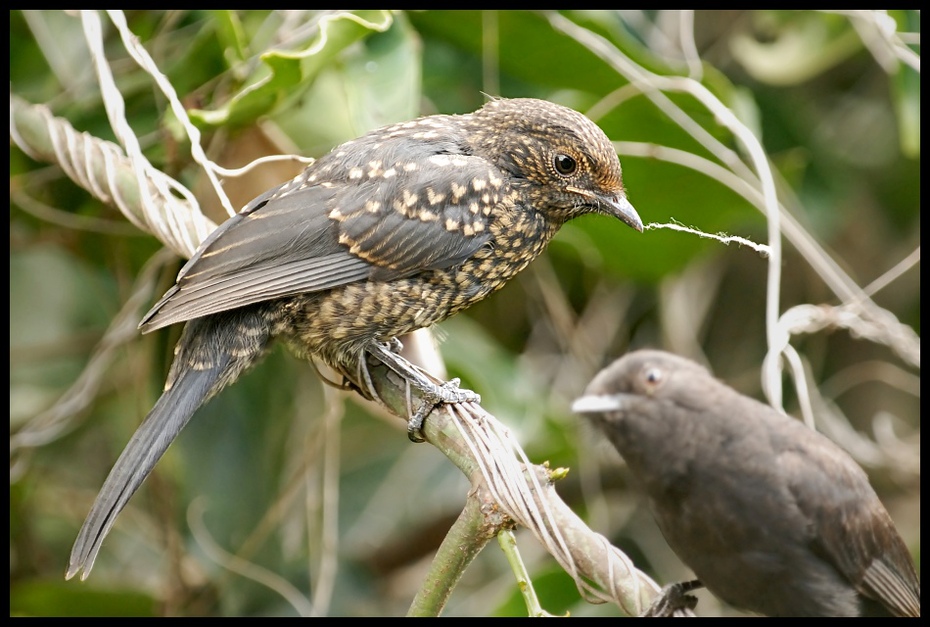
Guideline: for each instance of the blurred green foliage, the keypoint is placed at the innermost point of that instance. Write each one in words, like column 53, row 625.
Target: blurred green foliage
column 838, row 119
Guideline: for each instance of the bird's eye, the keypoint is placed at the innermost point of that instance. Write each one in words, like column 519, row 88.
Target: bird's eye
column 564, row 164
column 653, row 377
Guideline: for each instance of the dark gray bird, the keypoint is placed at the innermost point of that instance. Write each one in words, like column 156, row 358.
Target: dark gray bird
column 391, row 232
column 771, row 516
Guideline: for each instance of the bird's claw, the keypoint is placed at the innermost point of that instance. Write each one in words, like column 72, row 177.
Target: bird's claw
column 432, row 393
column 673, row 598
column 449, row 393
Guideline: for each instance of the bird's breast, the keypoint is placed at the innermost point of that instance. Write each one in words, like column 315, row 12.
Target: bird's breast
column 339, row 324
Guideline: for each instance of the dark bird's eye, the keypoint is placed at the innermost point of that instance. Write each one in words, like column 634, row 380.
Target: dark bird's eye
column 653, row 377
column 564, row 164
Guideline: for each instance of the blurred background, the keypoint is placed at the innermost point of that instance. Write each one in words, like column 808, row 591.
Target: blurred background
column 285, row 497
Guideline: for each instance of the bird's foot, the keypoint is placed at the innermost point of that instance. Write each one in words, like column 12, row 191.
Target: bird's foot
column 448, row 392
column 345, row 385
column 432, row 392
column 394, row 345
column 674, row 598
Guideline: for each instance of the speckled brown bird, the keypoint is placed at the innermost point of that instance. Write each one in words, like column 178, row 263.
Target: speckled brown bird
column 388, row 233
column 770, row 515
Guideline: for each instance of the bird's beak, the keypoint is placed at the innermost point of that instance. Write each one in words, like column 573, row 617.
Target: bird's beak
column 619, row 207
column 615, row 205
column 598, row 403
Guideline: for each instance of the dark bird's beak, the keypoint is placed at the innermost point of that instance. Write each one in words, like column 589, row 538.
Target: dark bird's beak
column 598, row 403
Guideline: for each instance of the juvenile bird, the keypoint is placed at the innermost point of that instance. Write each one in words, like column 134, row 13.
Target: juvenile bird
column 388, row 233
column 771, row 516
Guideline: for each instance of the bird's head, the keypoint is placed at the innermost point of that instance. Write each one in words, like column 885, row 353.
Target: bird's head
column 644, row 375
column 566, row 163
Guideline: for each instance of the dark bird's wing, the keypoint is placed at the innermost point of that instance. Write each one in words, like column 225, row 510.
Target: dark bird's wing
column 852, row 529
column 306, row 237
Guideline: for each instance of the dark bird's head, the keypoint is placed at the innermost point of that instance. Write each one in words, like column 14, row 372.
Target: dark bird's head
column 646, row 376
column 646, row 403
column 562, row 160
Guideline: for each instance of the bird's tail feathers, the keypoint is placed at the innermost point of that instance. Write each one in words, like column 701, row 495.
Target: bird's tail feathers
column 150, row 441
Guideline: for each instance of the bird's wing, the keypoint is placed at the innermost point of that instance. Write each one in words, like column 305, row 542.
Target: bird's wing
column 852, row 528
column 376, row 224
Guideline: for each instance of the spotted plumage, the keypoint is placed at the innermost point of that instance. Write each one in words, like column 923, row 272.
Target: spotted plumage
column 388, row 233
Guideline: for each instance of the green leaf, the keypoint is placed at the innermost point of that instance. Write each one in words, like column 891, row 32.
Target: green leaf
column 286, row 74
column 232, row 38
column 378, row 82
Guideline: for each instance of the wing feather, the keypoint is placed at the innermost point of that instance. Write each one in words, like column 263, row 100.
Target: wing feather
column 308, row 236
column 856, row 533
